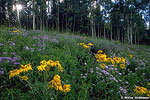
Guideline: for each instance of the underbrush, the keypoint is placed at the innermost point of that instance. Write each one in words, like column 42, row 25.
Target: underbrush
column 48, row 66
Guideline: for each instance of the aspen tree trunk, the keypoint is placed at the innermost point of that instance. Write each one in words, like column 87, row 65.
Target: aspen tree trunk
column 33, row 16
column 111, row 32
column 131, row 28
column 62, row 23
column 41, row 23
column 131, row 35
column 94, row 29
column 128, row 33
column 104, row 27
column 58, row 17
column 98, row 31
column 33, row 21
column 138, row 39
column 74, row 24
column 66, row 23
column 135, row 37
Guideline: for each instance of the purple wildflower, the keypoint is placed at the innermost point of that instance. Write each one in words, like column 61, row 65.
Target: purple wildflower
column 91, row 70
column 16, row 63
column 26, row 47
column 124, row 91
column 121, row 88
column 13, row 53
column 1, row 72
column 1, row 59
column 105, row 72
column 120, row 73
column 1, row 44
column 12, row 44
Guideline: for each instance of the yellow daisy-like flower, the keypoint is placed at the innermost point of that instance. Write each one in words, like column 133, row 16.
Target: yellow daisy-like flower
column 47, row 68
column 43, row 62
column 140, row 90
column 123, row 60
column 41, row 68
column 23, row 68
column 81, row 43
column 53, row 64
column 29, row 67
column 85, row 46
column 66, row 88
column 90, row 44
column 103, row 65
column 108, row 59
column 51, row 83
column 131, row 56
column 57, row 62
column 57, row 80
column 100, row 51
column 59, row 88
column 24, row 78
column 148, row 93
column 60, row 68
column 13, row 73
column 122, row 66
column 57, row 76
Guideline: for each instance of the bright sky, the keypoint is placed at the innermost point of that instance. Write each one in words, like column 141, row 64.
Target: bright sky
column 17, row 7
column 61, row 0
column 113, row 0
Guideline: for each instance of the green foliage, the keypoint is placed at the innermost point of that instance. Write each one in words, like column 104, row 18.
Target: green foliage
column 81, row 70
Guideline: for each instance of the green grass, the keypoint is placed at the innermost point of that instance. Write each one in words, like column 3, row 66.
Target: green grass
column 81, row 70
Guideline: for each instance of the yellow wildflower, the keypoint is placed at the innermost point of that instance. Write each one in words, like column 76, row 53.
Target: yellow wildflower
column 53, row 64
column 66, row 88
column 123, row 60
column 24, row 78
column 57, row 76
column 59, row 88
column 81, row 43
column 41, row 68
column 100, row 51
column 29, row 67
column 43, row 62
column 131, row 56
column 85, row 46
column 112, row 61
column 49, row 62
column 148, row 93
column 140, row 90
column 90, row 44
column 60, row 68
column 103, row 66
column 108, row 59
column 23, row 68
column 13, row 73
column 57, row 62
column 47, row 68
column 122, row 66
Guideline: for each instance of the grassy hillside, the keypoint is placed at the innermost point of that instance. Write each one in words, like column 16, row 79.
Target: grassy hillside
column 48, row 66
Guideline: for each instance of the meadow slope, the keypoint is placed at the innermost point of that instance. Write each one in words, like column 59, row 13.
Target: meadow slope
column 37, row 65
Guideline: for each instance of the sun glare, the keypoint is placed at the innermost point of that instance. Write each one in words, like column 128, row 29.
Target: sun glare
column 18, row 7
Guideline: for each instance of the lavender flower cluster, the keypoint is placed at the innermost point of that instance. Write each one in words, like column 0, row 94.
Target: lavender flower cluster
column 9, row 59
column 1, row 71
column 46, row 37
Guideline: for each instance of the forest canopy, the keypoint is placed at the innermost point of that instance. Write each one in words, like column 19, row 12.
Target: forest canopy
column 127, row 21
